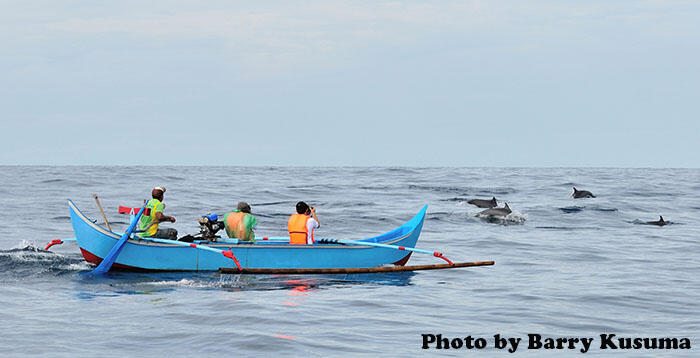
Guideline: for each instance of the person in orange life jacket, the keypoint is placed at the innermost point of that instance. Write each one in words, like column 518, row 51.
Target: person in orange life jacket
column 240, row 223
column 302, row 224
column 148, row 224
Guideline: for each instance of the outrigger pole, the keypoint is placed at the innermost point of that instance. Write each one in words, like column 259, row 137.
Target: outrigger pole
column 366, row 243
column 228, row 253
column 298, row 271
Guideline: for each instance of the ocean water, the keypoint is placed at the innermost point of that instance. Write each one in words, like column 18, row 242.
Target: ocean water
column 564, row 267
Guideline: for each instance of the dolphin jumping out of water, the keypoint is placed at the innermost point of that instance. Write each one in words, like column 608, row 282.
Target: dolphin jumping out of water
column 498, row 213
column 582, row 194
column 659, row 222
column 482, row 203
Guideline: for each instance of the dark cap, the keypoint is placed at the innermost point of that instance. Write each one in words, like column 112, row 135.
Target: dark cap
column 244, row 207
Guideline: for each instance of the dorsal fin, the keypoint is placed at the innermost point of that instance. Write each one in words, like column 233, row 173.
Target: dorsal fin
column 661, row 218
column 507, row 207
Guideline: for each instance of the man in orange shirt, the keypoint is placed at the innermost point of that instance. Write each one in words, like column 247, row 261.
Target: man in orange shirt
column 240, row 223
column 301, row 225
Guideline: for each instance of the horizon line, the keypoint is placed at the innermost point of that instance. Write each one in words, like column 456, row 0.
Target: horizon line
column 335, row 166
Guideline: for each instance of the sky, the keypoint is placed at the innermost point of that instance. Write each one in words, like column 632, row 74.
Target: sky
column 487, row 83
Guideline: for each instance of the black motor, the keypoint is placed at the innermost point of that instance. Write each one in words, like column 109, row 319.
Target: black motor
column 209, row 225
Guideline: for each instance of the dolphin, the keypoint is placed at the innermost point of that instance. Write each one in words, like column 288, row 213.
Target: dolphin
column 498, row 213
column 482, row 203
column 659, row 222
column 582, row 194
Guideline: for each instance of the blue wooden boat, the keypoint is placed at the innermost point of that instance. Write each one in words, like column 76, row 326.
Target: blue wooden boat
column 95, row 242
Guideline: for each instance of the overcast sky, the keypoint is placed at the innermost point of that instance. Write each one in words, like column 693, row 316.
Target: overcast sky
column 359, row 83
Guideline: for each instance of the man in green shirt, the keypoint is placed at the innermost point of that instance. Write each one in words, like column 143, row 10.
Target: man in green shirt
column 148, row 224
column 240, row 223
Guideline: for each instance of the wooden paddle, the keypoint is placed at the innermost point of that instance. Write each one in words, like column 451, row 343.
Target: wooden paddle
column 102, row 211
column 108, row 261
column 365, row 243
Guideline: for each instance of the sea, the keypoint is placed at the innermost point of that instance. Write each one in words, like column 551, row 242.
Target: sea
column 565, row 269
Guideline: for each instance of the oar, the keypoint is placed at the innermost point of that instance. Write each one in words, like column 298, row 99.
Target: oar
column 107, row 262
column 57, row 242
column 228, row 254
column 102, row 211
column 365, row 243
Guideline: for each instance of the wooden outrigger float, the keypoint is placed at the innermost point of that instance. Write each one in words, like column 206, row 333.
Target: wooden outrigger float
column 380, row 269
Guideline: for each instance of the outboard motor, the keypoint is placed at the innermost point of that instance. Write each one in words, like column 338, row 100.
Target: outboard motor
column 209, row 225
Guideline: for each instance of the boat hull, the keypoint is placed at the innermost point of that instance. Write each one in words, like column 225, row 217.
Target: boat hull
column 95, row 242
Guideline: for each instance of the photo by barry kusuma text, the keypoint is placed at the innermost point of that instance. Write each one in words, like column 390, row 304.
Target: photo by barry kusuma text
column 538, row 342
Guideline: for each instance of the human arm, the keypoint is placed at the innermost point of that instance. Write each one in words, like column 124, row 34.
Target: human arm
column 161, row 217
column 252, row 222
column 313, row 214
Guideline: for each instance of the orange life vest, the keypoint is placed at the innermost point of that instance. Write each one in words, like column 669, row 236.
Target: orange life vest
column 297, row 229
column 234, row 221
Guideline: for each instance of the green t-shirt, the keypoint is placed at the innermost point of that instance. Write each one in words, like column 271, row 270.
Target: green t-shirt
column 156, row 206
column 249, row 221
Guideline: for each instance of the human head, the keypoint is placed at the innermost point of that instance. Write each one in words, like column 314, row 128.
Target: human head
column 157, row 192
column 244, row 207
column 302, row 207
